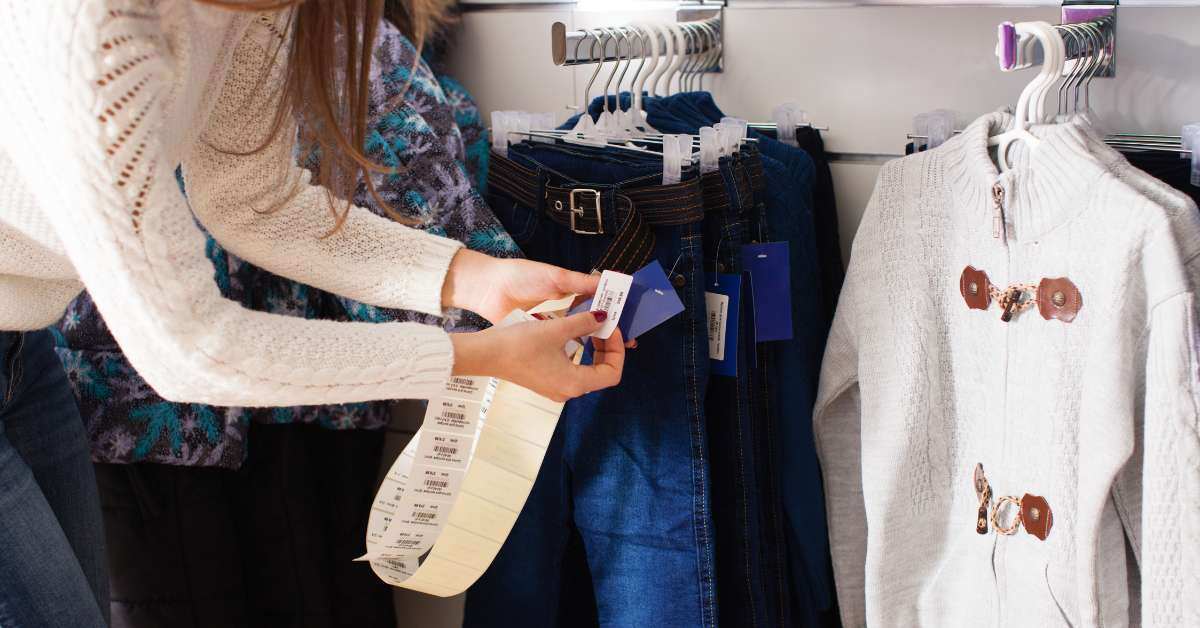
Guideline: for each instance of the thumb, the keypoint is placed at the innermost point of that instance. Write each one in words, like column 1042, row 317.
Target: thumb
column 582, row 324
column 571, row 282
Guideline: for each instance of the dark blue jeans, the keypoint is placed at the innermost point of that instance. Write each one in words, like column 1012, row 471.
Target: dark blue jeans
column 748, row 579
column 617, row 530
column 52, row 565
column 790, row 475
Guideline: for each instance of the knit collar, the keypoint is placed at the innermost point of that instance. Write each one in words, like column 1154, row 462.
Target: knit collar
column 1046, row 187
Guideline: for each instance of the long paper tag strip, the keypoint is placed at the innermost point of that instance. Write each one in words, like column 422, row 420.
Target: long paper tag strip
column 452, row 496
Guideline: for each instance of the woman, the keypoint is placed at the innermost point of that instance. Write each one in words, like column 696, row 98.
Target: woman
column 106, row 98
column 252, row 516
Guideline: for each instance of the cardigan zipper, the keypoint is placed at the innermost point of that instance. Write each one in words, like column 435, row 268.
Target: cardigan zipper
column 998, row 211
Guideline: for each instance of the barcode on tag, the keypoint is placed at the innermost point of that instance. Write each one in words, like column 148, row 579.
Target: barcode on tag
column 453, row 415
column 437, row 484
column 611, row 294
column 467, row 388
column 423, row 514
column 717, row 306
column 444, row 450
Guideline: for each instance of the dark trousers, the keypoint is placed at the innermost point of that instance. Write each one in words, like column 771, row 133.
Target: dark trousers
column 267, row 545
column 618, row 529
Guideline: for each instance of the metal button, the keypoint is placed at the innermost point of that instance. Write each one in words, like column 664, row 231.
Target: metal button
column 678, row 281
column 1035, row 514
column 1059, row 298
column 973, row 288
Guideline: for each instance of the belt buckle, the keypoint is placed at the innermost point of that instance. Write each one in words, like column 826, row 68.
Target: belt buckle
column 579, row 211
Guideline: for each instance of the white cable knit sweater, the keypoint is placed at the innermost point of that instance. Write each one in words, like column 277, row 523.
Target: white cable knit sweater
column 1098, row 415
column 101, row 100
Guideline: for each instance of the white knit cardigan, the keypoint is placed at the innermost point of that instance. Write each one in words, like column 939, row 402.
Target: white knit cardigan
column 1098, row 415
column 101, row 100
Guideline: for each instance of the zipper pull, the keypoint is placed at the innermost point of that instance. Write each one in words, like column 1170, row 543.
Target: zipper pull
column 997, row 210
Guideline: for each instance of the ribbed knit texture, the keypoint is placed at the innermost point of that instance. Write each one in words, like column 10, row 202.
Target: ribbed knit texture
column 916, row 389
column 102, row 99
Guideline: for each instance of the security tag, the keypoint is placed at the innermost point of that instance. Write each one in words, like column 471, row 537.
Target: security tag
column 769, row 268
column 611, row 295
column 722, row 299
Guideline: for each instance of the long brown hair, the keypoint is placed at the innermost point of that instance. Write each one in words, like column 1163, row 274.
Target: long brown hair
column 331, row 103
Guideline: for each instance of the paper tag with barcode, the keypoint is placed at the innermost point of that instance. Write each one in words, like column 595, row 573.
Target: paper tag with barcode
column 610, row 297
column 717, row 306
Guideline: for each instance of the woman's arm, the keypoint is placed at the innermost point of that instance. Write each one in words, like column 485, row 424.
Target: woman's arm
column 262, row 207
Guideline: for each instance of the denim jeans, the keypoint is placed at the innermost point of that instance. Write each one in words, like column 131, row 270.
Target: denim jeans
column 790, row 478
column 617, row 530
column 747, row 585
column 52, row 566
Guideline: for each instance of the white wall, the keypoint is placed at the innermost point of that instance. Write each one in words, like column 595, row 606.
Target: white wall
column 862, row 71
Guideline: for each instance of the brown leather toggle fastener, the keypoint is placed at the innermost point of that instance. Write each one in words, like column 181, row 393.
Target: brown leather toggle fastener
column 1036, row 516
column 976, row 288
column 1058, row 298
column 983, row 491
column 1010, row 301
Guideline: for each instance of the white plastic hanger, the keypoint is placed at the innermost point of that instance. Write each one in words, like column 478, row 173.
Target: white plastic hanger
column 650, row 36
column 681, row 50
column 1055, row 57
column 667, row 55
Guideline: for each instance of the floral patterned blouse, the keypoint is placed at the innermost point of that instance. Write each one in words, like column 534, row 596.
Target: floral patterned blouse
column 425, row 125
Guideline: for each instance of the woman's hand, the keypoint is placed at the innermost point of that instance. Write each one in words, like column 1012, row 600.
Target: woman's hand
column 532, row 355
column 493, row 287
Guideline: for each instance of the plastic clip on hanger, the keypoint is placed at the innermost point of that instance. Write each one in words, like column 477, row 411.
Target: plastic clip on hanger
column 710, row 149
column 787, row 118
column 1190, row 139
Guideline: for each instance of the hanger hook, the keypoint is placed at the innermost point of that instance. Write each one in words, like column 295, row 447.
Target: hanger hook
column 587, row 91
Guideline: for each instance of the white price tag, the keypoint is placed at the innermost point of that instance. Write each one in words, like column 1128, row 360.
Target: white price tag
column 718, row 312
column 611, row 295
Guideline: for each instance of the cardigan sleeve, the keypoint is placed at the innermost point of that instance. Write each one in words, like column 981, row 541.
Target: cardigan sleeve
column 836, row 426
column 84, row 118
column 1170, row 515
column 245, row 187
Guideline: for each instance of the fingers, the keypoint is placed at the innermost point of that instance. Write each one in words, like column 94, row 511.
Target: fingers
column 570, row 282
column 608, row 363
column 581, row 324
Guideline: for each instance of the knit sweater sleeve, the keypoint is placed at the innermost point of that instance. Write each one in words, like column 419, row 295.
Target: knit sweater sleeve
column 84, row 115
column 837, row 430
column 1170, row 530
column 245, row 187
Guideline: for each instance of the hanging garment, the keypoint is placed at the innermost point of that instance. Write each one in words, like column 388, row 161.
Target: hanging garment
column 1039, row 324
column 1169, row 168
column 618, row 527
column 271, row 543
column 787, row 453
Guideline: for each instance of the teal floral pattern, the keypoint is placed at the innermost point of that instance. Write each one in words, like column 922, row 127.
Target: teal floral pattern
column 423, row 125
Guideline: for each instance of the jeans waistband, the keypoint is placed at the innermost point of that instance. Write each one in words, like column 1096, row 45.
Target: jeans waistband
column 590, row 210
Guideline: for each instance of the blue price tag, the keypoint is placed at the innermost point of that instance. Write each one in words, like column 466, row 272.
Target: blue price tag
column 722, row 297
column 769, row 270
column 652, row 301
